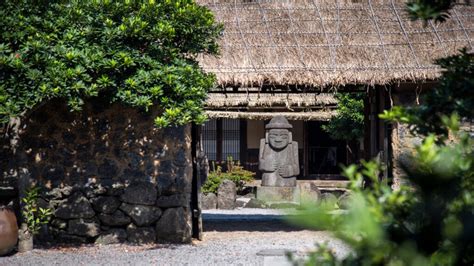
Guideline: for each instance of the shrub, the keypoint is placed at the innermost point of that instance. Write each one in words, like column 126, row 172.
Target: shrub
column 235, row 173
column 214, row 179
column 33, row 215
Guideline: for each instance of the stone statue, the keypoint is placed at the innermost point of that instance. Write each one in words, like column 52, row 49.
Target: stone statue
column 278, row 155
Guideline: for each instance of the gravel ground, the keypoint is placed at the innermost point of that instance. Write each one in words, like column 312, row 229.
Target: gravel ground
column 230, row 238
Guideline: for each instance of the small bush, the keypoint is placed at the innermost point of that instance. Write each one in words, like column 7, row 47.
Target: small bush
column 235, row 173
column 214, row 179
column 34, row 216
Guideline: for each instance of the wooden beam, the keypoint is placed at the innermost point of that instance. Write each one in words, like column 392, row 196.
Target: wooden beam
column 243, row 141
column 219, row 140
column 322, row 115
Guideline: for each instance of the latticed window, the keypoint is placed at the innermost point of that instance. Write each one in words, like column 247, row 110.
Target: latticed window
column 209, row 138
column 221, row 139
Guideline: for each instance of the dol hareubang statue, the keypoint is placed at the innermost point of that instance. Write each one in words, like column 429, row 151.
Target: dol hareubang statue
column 278, row 156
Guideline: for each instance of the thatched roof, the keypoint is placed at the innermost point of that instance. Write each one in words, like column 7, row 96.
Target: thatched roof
column 321, row 115
column 330, row 42
column 291, row 100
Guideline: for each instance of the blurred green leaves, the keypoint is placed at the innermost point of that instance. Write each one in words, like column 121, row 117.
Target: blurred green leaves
column 140, row 53
column 427, row 221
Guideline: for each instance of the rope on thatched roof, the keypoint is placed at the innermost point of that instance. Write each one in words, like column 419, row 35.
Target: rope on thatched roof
column 218, row 100
column 321, row 115
column 330, row 43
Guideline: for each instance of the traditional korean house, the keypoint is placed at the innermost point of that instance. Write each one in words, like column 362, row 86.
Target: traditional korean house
column 108, row 167
column 289, row 57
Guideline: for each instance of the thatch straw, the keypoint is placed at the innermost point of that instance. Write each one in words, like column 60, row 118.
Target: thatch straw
column 327, row 42
column 322, row 115
column 218, row 100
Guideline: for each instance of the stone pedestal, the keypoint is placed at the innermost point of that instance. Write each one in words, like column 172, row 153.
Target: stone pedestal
column 278, row 194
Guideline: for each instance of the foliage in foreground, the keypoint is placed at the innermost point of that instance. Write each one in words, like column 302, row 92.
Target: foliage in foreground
column 33, row 215
column 428, row 222
column 430, row 219
column 348, row 124
column 235, row 173
column 140, row 53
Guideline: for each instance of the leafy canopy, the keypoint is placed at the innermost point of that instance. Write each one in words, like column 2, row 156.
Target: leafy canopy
column 140, row 53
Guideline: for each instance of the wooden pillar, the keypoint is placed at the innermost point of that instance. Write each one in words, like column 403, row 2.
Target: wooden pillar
column 196, row 217
column 243, row 142
column 367, row 131
column 305, row 148
column 219, row 140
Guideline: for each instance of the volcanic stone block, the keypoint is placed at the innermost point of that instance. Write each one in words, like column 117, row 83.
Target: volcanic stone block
column 118, row 218
column 256, row 203
column 226, row 195
column 309, row 192
column 105, row 204
column 141, row 215
column 94, row 190
column 177, row 200
column 328, row 198
column 174, row 226
column 112, row 236
column 58, row 223
column 344, row 201
column 144, row 193
column 278, row 194
column 240, row 202
column 76, row 206
column 140, row 235
column 81, row 227
column 71, row 239
column 208, row 201
column 59, row 193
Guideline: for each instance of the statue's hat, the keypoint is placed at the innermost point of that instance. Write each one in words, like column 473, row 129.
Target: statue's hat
column 279, row 122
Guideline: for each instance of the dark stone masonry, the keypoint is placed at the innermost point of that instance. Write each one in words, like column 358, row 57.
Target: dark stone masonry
column 109, row 175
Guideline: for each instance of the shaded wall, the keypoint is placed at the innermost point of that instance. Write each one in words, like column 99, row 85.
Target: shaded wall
column 403, row 142
column 109, row 174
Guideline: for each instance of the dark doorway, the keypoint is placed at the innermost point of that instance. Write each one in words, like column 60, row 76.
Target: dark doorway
column 324, row 153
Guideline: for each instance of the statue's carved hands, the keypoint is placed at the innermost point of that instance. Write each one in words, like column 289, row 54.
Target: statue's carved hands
column 274, row 166
column 284, row 171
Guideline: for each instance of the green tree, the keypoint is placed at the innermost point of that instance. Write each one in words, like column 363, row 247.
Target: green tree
column 138, row 52
column 348, row 124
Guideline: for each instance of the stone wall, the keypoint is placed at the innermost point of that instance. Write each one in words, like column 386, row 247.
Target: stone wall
column 109, row 174
column 403, row 141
